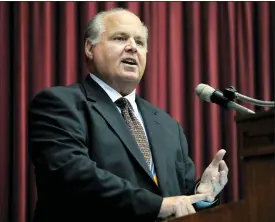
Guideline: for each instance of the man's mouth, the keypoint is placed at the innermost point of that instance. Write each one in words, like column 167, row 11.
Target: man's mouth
column 129, row 61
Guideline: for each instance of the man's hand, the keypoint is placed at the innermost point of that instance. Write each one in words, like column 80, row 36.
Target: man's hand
column 214, row 177
column 179, row 206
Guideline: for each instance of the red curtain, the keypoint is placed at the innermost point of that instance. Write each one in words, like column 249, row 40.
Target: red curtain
column 217, row 43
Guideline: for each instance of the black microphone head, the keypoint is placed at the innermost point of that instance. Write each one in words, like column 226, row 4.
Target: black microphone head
column 204, row 92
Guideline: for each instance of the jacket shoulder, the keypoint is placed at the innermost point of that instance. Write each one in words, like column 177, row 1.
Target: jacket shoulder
column 64, row 93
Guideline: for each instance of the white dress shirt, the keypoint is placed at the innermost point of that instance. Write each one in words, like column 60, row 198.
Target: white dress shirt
column 114, row 95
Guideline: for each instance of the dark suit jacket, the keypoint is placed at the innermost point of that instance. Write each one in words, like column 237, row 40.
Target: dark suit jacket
column 88, row 164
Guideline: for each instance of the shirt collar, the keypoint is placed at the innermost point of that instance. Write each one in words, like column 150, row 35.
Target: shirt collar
column 113, row 94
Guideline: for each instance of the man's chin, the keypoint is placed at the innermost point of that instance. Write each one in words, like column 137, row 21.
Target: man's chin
column 127, row 82
column 130, row 77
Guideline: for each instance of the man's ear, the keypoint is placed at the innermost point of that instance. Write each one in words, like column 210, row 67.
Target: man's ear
column 89, row 49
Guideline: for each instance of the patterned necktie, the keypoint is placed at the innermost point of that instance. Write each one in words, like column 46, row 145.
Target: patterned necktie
column 136, row 128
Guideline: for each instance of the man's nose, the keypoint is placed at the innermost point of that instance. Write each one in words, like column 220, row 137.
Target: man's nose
column 131, row 45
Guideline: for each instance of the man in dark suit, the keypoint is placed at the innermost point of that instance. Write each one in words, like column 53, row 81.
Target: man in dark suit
column 100, row 151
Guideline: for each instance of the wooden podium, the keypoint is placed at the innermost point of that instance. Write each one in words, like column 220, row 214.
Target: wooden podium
column 256, row 149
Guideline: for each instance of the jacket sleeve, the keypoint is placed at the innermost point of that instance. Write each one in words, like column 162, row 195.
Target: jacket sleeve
column 57, row 144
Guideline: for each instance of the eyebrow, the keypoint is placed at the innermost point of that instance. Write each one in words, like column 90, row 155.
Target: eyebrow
column 125, row 34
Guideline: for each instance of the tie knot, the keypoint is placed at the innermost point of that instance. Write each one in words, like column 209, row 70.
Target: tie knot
column 122, row 102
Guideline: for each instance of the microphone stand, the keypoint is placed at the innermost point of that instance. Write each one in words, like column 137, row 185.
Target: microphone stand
column 231, row 93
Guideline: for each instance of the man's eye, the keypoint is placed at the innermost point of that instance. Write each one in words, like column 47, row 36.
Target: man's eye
column 140, row 43
column 119, row 38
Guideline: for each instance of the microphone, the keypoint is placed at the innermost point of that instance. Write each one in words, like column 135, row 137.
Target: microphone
column 209, row 94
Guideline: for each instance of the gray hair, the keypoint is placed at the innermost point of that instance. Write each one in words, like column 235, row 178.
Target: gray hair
column 96, row 27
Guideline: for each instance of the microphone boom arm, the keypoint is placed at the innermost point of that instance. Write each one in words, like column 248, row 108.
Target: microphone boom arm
column 255, row 102
column 231, row 93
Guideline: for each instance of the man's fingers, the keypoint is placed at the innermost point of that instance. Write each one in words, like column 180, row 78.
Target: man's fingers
column 223, row 178
column 190, row 208
column 223, row 166
column 216, row 185
column 178, row 211
column 218, row 158
column 210, row 199
column 197, row 197
column 184, row 210
column 184, row 207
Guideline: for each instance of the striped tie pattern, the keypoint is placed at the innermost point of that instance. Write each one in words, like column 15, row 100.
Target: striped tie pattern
column 137, row 131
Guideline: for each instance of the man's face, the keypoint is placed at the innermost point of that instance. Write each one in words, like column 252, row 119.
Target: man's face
column 120, row 56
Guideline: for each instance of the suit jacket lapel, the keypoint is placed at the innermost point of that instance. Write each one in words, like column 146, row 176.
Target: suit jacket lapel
column 154, row 132
column 105, row 106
